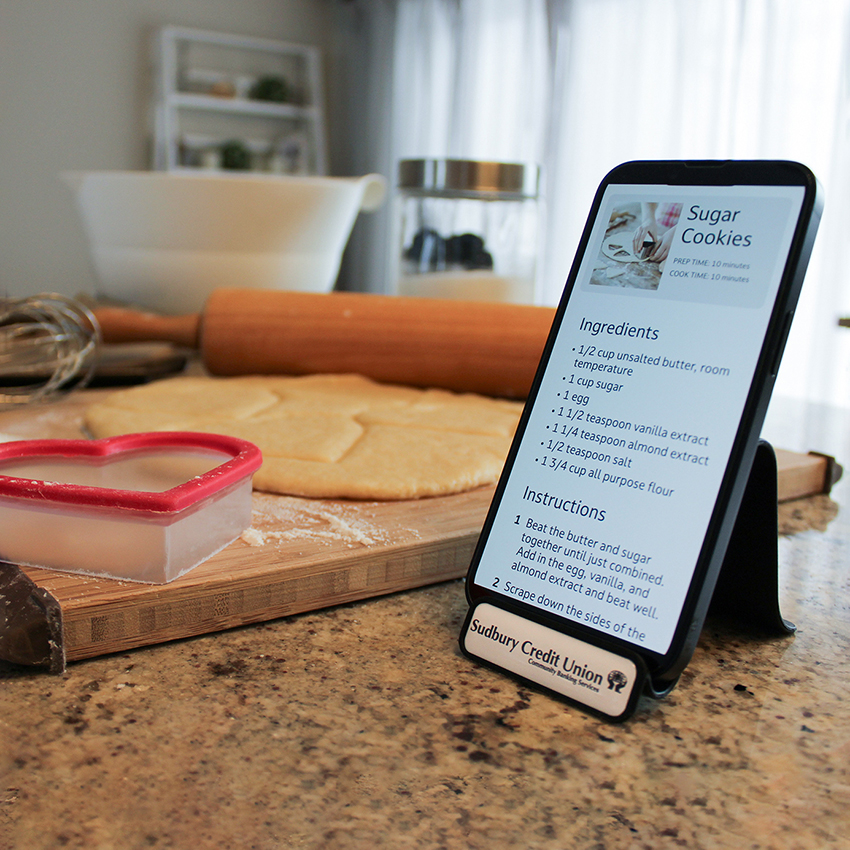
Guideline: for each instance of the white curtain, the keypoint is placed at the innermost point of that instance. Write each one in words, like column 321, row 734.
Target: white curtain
column 581, row 85
column 722, row 79
column 471, row 76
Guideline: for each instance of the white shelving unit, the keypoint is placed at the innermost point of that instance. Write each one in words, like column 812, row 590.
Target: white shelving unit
column 207, row 115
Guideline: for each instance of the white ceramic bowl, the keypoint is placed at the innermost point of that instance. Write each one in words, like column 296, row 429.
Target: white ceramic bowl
column 164, row 241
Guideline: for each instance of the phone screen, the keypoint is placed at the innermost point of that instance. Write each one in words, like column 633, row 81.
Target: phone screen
column 605, row 502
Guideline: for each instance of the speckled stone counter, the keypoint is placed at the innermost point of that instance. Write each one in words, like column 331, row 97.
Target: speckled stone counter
column 363, row 726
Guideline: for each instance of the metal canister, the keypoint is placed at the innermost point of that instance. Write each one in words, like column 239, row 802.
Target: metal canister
column 468, row 229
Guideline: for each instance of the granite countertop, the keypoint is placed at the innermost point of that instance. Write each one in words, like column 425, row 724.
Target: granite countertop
column 363, row 726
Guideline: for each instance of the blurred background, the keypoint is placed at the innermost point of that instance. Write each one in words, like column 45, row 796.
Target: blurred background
column 571, row 87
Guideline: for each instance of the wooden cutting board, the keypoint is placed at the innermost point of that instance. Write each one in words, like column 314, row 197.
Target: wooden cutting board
column 299, row 555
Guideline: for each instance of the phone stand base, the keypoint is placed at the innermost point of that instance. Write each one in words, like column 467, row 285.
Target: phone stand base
column 608, row 683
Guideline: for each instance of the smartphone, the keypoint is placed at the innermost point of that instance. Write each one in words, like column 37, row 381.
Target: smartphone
column 599, row 554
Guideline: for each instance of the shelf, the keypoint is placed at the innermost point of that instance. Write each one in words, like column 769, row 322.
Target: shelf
column 242, row 106
column 193, row 64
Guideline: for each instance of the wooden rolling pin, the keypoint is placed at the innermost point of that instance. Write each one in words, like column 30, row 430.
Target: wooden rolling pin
column 474, row 346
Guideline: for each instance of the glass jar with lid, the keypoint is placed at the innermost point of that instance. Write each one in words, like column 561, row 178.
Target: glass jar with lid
column 468, row 229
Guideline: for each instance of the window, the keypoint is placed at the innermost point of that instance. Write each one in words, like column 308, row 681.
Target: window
column 580, row 85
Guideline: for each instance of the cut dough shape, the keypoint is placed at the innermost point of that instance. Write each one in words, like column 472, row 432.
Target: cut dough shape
column 331, row 436
column 618, row 246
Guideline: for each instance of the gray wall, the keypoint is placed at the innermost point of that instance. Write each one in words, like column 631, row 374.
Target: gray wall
column 75, row 86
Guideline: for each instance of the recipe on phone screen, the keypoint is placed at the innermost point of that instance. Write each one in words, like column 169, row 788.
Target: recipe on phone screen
column 603, row 516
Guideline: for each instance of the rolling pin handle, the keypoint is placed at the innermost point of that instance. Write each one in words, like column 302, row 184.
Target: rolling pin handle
column 120, row 324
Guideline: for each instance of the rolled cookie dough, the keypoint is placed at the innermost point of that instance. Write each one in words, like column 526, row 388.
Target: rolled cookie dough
column 330, row 436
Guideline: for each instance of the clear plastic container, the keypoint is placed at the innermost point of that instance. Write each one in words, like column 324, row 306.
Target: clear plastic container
column 140, row 507
column 468, row 230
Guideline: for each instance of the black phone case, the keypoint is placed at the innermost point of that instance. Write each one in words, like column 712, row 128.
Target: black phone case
column 664, row 671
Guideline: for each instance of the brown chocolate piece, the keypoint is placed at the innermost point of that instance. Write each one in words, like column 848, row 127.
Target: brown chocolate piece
column 30, row 622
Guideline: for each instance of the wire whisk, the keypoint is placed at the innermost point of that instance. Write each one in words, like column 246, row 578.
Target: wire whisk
column 48, row 345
